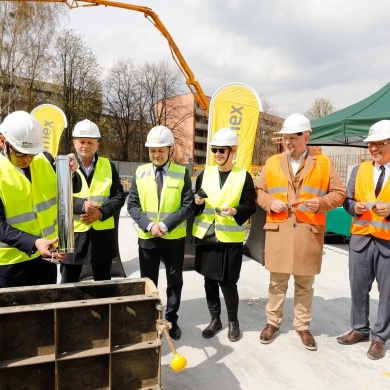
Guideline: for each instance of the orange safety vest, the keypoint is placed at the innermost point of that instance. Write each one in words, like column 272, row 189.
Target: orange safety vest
column 369, row 222
column 315, row 183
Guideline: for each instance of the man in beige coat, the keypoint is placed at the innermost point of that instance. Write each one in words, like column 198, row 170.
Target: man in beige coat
column 296, row 188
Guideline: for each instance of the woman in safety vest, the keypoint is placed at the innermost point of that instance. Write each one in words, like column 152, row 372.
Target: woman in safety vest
column 225, row 200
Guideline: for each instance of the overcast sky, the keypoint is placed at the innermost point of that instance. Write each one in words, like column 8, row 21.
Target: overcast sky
column 290, row 51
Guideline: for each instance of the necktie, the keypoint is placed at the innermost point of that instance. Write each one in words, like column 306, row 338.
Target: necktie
column 380, row 181
column 159, row 179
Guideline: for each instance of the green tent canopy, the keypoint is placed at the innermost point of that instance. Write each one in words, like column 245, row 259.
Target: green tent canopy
column 349, row 126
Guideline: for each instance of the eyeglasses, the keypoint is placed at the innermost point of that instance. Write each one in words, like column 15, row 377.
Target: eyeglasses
column 378, row 145
column 291, row 139
column 20, row 155
column 220, row 150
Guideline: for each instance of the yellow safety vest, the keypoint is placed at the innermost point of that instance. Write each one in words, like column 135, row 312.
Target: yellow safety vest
column 369, row 222
column 315, row 183
column 170, row 199
column 226, row 228
column 29, row 206
column 99, row 192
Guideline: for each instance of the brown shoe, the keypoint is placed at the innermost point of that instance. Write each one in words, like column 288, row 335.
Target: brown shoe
column 268, row 334
column 352, row 337
column 307, row 339
column 376, row 350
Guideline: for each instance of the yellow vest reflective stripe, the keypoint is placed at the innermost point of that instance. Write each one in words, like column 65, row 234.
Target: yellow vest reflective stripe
column 170, row 199
column 369, row 222
column 315, row 183
column 226, row 228
column 99, row 192
column 29, row 207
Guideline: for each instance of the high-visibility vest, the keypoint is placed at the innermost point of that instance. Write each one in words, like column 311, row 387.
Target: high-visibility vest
column 29, row 206
column 226, row 228
column 170, row 197
column 315, row 183
column 99, row 192
column 369, row 222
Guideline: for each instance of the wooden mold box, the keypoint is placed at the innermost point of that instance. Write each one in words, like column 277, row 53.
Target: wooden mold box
column 87, row 335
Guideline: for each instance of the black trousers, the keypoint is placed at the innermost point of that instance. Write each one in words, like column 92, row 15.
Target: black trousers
column 221, row 267
column 70, row 273
column 28, row 273
column 173, row 258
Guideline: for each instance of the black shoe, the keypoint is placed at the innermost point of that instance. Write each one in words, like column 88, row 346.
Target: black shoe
column 214, row 326
column 175, row 332
column 234, row 331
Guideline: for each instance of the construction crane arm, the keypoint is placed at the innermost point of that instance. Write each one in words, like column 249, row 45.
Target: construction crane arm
column 194, row 85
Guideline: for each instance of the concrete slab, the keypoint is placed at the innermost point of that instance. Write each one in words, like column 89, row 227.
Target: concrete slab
column 219, row 364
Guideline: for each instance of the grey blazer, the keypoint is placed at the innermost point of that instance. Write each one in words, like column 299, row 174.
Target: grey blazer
column 358, row 242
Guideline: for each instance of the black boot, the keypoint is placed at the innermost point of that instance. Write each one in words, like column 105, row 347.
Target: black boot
column 214, row 326
column 234, row 331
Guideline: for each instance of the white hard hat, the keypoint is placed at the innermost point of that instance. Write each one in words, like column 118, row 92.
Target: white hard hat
column 379, row 131
column 225, row 137
column 23, row 131
column 86, row 129
column 295, row 123
column 159, row 136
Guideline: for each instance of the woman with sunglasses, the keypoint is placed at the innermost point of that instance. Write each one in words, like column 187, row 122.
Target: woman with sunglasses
column 28, row 207
column 225, row 200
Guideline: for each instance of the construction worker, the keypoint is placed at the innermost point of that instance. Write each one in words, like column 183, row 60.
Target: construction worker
column 225, row 200
column 160, row 201
column 94, row 206
column 28, row 209
column 369, row 246
column 296, row 188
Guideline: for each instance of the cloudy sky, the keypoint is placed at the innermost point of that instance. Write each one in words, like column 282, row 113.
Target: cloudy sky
column 290, row 51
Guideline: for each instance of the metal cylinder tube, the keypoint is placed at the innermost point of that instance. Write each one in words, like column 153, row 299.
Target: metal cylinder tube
column 64, row 205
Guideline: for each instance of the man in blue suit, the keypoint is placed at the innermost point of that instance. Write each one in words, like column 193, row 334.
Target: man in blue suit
column 368, row 196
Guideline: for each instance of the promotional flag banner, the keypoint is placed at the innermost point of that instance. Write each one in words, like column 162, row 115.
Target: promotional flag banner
column 237, row 106
column 53, row 122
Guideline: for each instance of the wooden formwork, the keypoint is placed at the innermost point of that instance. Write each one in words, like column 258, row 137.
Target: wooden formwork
column 88, row 335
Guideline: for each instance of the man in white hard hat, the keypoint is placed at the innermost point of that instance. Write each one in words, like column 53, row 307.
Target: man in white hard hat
column 160, row 201
column 368, row 201
column 94, row 206
column 296, row 188
column 28, row 208
column 225, row 200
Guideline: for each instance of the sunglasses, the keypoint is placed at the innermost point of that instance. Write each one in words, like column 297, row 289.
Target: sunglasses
column 220, row 150
column 20, row 155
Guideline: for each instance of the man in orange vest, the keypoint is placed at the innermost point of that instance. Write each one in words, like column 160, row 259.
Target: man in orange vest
column 368, row 202
column 296, row 188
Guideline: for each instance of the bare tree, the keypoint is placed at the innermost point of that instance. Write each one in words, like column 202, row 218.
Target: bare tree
column 159, row 85
column 26, row 34
column 320, row 108
column 138, row 98
column 123, row 110
column 265, row 145
column 77, row 79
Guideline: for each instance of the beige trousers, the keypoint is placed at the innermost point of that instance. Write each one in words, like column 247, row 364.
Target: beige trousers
column 303, row 299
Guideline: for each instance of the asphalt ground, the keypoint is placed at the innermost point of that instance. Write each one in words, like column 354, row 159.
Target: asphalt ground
column 218, row 364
